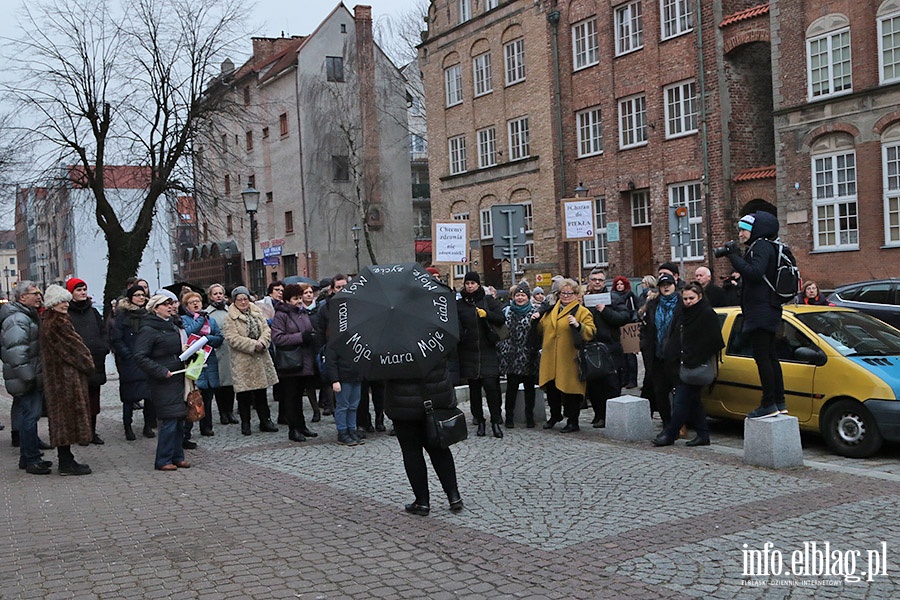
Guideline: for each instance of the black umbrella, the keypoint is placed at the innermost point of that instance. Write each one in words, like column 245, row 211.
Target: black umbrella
column 178, row 289
column 300, row 279
column 393, row 321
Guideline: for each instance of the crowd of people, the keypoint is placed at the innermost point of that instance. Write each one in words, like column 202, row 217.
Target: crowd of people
column 54, row 344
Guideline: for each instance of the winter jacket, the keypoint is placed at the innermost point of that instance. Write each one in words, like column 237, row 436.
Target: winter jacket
column 68, row 365
column 760, row 305
column 156, row 351
column 292, row 327
column 699, row 333
column 209, row 376
column 609, row 323
column 518, row 355
column 134, row 383
column 90, row 326
column 20, row 349
column 250, row 370
column 477, row 355
column 337, row 368
column 223, row 352
column 671, row 351
column 558, row 349
column 404, row 398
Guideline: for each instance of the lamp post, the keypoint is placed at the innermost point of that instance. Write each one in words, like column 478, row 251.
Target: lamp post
column 6, row 273
column 44, row 270
column 355, row 230
column 158, row 285
column 227, row 266
column 250, row 197
column 580, row 192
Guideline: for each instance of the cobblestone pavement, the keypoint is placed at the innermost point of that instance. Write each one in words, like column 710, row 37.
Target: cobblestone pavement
column 547, row 516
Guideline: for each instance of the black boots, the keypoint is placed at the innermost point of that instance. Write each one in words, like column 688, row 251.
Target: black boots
column 245, row 427
column 129, row 433
column 379, row 421
column 481, row 429
column 419, row 509
column 456, row 503
column 267, row 426
column 498, row 431
column 571, row 426
column 295, row 436
column 148, row 431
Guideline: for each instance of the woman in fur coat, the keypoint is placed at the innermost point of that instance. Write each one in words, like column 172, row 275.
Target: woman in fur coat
column 67, row 366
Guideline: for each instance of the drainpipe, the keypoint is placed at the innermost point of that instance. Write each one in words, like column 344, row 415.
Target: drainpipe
column 306, row 268
column 704, row 144
column 553, row 18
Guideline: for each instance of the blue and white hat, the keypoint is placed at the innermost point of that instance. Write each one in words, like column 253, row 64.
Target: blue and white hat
column 746, row 222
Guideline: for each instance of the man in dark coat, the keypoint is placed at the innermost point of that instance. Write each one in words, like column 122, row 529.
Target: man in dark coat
column 609, row 320
column 478, row 360
column 761, row 307
column 712, row 292
column 90, row 326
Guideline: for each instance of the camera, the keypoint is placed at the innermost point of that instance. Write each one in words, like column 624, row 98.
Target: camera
column 730, row 247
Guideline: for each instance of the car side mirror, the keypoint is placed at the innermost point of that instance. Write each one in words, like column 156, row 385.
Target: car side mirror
column 812, row 356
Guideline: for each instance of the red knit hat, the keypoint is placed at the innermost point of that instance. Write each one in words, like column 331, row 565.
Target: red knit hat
column 73, row 283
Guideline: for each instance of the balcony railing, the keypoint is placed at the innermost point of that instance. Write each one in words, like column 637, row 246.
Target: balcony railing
column 421, row 190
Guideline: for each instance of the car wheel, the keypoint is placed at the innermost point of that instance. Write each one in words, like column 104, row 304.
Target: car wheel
column 850, row 430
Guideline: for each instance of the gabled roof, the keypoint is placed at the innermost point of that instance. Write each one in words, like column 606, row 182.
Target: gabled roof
column 745, row 14
column 755, row 174
column 276, row 63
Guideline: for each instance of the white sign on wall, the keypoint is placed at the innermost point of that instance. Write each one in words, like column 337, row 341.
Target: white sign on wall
column 578, row 219
column 450, row 242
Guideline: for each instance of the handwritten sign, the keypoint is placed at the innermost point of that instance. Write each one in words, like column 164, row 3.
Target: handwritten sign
column 631, row 338
column 578, row 219
column 450, row 242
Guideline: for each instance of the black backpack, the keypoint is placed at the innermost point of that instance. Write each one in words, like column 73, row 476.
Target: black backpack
column 786, row 283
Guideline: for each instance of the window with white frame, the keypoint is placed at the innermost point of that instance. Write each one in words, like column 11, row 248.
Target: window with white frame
column 457, row 154
column 481, row 68
column 465, row 10
column 681, row 109
column 585, row 45
column 487, row 229
column 629, row 28
column 491, row 4
column 596, row 252
column 676, row 17
column 514, row 53
column 889, row 42
column 487, row 147
column 518, row 139
column 828, row 62
column 690, row 196
column 640, row 208
column 891, row 168
column 529, row 216
column 590, row 132
column 459, row 271
column 453, row 83
column 529, row 258
column 835, row 225
column 633, row 121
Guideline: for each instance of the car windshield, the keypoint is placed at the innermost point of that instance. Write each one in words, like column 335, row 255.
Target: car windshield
column 853, row 334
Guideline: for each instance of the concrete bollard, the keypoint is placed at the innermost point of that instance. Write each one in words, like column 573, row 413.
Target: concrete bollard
column 773, row 442
column 540, row 407
column 628, row 419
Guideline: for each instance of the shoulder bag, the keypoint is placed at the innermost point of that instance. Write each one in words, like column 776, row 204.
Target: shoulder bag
column 288, row 358
column 444, row 426
column 595, row 361
column 195, row 408
column 703, row 374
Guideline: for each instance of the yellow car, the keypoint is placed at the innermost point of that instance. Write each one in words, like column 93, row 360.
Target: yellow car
column 841, row 375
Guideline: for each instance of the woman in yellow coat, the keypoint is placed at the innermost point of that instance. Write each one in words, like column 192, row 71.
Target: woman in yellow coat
column 561, row 326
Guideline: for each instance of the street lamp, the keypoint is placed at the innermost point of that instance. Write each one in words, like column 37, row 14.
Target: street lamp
column 44, row 270
column 6, row 273
column 251, row 205
column 356, row 229
column 227, row 253
column 581, row 191
column 158, row 285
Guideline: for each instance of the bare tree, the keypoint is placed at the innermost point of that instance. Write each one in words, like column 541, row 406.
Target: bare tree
column 399, row 34
column 124, row 84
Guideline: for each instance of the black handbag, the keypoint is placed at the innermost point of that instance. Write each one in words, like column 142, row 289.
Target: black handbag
column 497, row 333
column 595, row 361
column 288, row 358
column 444, row 426
column 703, row 374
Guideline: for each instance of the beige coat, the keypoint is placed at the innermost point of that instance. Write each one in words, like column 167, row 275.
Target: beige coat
column 250, row 370
column 558, row 350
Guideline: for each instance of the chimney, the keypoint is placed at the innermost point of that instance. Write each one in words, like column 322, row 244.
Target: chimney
column 365, row 64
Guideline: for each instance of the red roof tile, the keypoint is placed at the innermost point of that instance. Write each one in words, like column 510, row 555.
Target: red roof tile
column 755, row 173
column 742, row 15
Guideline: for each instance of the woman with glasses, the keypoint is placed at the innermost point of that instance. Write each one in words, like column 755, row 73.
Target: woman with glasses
column 564, row 327
column 218, row 312
column 134, row 385
column 159, row 344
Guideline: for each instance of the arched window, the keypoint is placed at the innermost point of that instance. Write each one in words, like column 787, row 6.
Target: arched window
column 835, row 218
column 888, row 17
column 890, row 168
column 828, row 57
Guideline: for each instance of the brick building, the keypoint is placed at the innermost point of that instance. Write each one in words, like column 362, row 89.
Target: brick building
column 319, row 128
column 645, row 102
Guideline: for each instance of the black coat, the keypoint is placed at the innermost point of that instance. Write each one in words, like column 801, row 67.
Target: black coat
column 156, row 352
column 293, row 327
column 134, row 383
column 609, row 323
column 90, row 326
column 477, row 355
column 671, row 354
column 336, row 368
column 403, row 398
column 716, row 295
column 759, row 304
column 699, row 333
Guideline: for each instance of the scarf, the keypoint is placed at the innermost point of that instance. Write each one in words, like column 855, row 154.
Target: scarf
column 665, row 310
column 205, row 328
column 218, row 305
column 253, row 328
column 521, row 311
